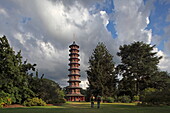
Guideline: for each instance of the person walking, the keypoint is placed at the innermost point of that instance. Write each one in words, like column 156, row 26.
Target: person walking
column 98, row 101
column 92, row 101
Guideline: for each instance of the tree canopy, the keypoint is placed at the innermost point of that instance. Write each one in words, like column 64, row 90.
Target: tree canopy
column 138, row 67
column 17, row 81
column 101, row 74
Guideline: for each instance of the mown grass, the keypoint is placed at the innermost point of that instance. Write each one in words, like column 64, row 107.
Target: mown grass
column 84, row 107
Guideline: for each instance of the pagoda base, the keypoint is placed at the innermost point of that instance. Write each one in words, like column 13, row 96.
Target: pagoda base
column 75, row 97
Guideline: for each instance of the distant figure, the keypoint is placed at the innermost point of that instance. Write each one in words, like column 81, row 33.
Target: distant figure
column 92, row 101
column 98, row 101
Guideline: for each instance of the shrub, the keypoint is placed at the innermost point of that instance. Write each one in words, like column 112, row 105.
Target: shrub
column 60, row 101
column 147, row 92
column 136, row 98
column 1, row 106
column 124, row 99
column 156, row 98
column 108, row 99
column 34, row 102
column 5, row 99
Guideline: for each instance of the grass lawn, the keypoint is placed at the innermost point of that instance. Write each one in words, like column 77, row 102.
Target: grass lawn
column 84, row 107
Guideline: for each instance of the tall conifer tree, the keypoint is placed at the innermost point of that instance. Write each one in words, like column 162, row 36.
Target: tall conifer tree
column 101, row 75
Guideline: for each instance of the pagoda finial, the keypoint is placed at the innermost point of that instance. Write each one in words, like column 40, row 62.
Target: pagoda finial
column 74, row 42
column 74, row 37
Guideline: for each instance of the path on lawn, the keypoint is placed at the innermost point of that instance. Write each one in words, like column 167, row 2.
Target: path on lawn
column 84, row 107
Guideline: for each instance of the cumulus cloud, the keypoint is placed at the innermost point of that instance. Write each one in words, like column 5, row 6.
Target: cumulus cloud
column 131, row 19
column 43, row 30
column 164, row 62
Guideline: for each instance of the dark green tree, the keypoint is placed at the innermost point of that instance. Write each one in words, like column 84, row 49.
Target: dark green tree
column 138, row 67
column 101, row 72
column 17, row 80
column 49, row 91
column 14, row 73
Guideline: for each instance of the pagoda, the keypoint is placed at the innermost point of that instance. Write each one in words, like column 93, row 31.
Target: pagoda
column 74, row 88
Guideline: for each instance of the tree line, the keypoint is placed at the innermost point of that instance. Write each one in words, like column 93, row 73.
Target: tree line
column 135, row 77
column 19, row 80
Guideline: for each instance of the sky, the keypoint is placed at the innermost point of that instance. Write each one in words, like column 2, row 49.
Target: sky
column 44, row 29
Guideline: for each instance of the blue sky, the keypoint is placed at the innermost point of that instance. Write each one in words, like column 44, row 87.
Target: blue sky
column 158, row 21
column 43, row 30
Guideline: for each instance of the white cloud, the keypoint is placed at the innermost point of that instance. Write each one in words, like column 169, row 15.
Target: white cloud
column 43, row 30
column 147, row 20
column 105, row 17
column 131, row 19
column 156, row 39
column 3, row 12
column 164, row 62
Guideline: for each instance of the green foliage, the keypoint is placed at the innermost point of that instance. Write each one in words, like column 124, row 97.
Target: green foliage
column 108, row 99
column 17, row 80
column 61, row 100
column 34, row 102
column 136, row 98
column 151, row 96
column 101, row 75
column 138, row 68
column 13, row 73
column 1, row 105
column 149, row 91
column 5, row 99
column 124, row 99
column 48, row 90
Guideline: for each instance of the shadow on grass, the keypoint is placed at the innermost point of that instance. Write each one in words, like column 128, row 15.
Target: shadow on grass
column 85, row 108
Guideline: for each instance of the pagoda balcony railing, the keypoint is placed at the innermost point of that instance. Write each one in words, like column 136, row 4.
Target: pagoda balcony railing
column 74, row 86
column 74, row 73
column 74, row 57
column 71, row 50
column 74, row 61
column 74, row 93
column 74, row 67
column 74, row 79
column 74, row 47
column 75, row 52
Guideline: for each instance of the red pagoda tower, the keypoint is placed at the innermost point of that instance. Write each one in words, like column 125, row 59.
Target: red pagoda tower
column 74, row 88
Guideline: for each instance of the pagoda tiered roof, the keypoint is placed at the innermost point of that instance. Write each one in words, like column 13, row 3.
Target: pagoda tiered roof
column 74, row 58
column 74, row 69
column 73, row 50
column 73, row 81
column 74, row 75
column 74, row 44
column 74, row 54
column 74, row 63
